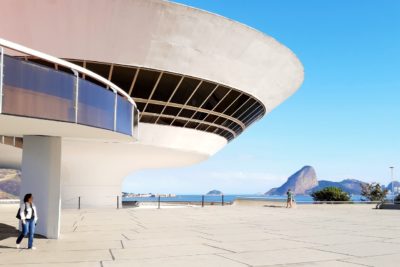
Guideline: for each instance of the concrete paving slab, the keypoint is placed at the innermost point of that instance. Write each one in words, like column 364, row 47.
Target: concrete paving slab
column 334, row 239
column 287, row 256
column 378, row 261
column 263, row 245
column 310, row 235
column 64, row 264
column 185, row 261
column 164, row 252
column 363, row 249
column 322, row 264
column 25, row 256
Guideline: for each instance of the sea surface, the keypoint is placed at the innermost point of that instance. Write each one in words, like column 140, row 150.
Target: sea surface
column 218, row 199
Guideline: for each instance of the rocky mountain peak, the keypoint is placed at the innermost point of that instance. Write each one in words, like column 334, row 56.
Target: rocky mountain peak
column 299, row 182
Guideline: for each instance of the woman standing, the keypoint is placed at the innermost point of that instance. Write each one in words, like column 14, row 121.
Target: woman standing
column 290, row 199
column 29, row 218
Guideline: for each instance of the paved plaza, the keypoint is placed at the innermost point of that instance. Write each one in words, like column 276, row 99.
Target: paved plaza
column 310, row 235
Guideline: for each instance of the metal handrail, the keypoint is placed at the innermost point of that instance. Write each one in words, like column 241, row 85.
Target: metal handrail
column 64, row 63
column 76, row 70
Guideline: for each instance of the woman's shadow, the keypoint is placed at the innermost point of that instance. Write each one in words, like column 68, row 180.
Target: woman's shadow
column 7, row 231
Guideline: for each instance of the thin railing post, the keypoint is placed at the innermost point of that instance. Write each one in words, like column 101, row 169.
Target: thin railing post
column 159, row 200
column 76, row 94
column 117, row 202
column 1, row 77
column 79, row 203
column 202, row 201
column 115, row 110
column 132, row 118
column 222, row 200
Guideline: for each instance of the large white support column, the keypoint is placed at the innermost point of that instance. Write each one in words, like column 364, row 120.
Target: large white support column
column 41, row 172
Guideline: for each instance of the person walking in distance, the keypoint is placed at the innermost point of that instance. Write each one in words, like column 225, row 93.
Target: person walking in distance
column 289, row 202
column 28, row 216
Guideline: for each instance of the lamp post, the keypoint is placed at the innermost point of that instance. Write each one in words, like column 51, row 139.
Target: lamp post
column 392, row 177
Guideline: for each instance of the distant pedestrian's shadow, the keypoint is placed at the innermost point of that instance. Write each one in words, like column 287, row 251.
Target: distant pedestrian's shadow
column 7, row 231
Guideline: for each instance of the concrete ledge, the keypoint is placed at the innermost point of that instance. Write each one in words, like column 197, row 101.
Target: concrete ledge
column 9, row 201
column 389, row 206
column 278, row 203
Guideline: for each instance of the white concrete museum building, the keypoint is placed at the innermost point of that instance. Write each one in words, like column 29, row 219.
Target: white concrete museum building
column 94, row 90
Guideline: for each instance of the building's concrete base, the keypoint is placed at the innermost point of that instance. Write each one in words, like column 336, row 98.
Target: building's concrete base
column 41, row 175
column 80, row 196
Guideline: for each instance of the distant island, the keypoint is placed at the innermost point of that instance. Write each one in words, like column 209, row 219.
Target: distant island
column 305, row 182
column 214, row 193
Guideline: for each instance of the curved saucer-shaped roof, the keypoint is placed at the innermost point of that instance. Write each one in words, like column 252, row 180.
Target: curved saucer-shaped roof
column 184, row 67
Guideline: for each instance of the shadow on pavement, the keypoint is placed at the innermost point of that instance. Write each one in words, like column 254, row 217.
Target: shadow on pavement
column 7, row 231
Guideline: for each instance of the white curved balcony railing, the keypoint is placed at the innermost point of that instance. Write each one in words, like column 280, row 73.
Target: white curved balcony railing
column 32, row 90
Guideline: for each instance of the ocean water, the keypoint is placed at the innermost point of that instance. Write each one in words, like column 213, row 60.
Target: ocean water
column 218, row 199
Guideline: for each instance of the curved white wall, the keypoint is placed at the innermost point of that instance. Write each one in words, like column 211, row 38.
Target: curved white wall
column 94, row 168
column 160, row 35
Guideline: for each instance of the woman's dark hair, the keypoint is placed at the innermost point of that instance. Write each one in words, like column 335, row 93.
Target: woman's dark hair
column 27, row 197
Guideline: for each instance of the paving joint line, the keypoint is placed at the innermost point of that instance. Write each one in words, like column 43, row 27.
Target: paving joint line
column 220, row 255
column 112, row 255
column 125, row 237
column 205, row 244
column 210, row 239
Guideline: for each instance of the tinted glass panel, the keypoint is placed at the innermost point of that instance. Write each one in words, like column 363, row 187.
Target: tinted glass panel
column 179, row 123
column 211, row 129
column 140, row 105
column 187, row 113
column 41, row 62
column 252, row 114
column 123, row 77
column 145, row 83
column 99, row 68
column 153, row 108
column 184, row 90
column 216, row 97
column 236, row 105
column 219, row 120
column 202, row 127
column 173, row 111
column 96, row 105
column 166, row 86
column 191, row 124
column 124, row 116
column 210, row 118
column 227, row 101
column 36, row 91
column 165, row 120
column 201, row 94
column 199, row 115
column 249, row 105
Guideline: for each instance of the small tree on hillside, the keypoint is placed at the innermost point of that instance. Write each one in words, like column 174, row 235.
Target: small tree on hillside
column 373, row 192
column 330, row 194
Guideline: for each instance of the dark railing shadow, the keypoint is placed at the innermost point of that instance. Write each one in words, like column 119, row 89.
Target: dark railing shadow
column 7, row 231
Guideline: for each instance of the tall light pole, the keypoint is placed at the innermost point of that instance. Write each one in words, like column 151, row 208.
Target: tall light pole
column 391, row 173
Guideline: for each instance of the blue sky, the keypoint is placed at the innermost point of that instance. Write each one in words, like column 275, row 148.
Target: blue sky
column 344, row 120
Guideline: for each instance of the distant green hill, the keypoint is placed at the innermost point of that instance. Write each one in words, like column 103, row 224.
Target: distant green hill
column 350, row 186
column 305, row 181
